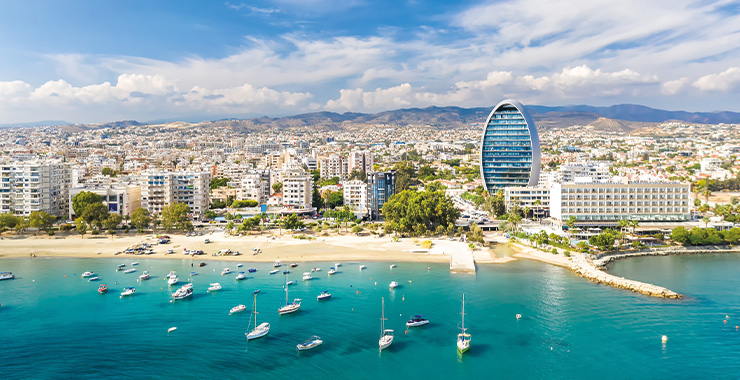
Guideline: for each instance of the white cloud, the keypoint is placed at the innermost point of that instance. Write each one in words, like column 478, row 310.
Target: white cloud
column 674, row 87
column 726, row 81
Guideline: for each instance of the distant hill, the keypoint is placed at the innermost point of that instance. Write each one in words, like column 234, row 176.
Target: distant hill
column 634, row 112
column 44, row 123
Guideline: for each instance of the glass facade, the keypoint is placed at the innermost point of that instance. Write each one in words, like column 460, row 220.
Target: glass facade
column 510, row 148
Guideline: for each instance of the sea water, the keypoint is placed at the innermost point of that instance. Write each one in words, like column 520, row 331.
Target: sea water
column 53, row 324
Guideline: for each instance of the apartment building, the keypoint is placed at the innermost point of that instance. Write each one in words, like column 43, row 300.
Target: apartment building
column 360, row 160
column 355, row 196
column 297, row 191
column 120, row 198
column 253, row 186
column 596, row 171
column 527, row 197
column 380, row 186
column 28, row 186
column 162, row 188
column 333, row 166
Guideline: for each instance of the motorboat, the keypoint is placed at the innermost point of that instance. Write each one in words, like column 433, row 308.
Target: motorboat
column 96, row 278
column 362, row 267
column 256, row 291
column 286, row 271
column 121, row 265
column 202, row 264
column 172, row 273
column 274, row 271
column 310, row 343
column 416, row 321
column 290, row 282
column 386, row 335
column 239, row 265
column 103, row 288
column 393, row 284
column 6, row 276
column 260, row 330
column 135, row 263
column 240, row 276
column 307, row 276
column 293, row 265
column 316, row 270
column 337, row 265
column 127, row 271
column 193, row 274
column 288, row 308
column 331, row 271
column 173, row 280
column 214, row 286
column 276, row 264
column 325, row 295
column 129, row 291
column 182, row 293
column 225, row 271
column 88, row 274
column 393, row 266
column 144, row 276
column 463, row 338
column 237, row 309
column 189, row 285
column 252, row 270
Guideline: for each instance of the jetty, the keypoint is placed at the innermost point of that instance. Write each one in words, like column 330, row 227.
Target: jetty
column 461, row 261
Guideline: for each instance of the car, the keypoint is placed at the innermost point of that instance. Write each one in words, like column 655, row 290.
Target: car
column 169, row 251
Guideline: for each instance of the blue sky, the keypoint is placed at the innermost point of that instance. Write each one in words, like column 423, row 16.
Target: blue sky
column 94, row 61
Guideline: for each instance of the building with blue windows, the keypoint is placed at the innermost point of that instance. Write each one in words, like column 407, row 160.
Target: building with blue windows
column 380, row 187
column 510, row 148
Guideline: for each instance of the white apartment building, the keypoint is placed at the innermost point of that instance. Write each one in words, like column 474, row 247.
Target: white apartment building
column 355, row 196
column 30, row 186
column 333, row 166
column 596, row 171
column 360, row 160
column 254, row 187
column 525, row 196
column 600, row 202
column 120, row 198
column 235, row 172
column 160, row 189
column 297, row 191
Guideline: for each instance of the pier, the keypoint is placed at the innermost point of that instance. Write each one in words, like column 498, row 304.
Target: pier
column 461, row 261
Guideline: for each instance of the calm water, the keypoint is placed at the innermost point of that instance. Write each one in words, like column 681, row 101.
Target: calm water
column 53, row 326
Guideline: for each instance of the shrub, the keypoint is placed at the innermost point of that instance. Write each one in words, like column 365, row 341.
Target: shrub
column 427, row 244
column 554, row 251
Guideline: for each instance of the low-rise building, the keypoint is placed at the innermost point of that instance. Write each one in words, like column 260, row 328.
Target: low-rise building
column 528, row 197
column 120, row 198
column 355, row 196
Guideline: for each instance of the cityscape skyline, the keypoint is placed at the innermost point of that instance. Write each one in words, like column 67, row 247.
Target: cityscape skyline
column 157, row 61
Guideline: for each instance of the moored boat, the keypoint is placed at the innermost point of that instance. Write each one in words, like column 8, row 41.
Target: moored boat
column 96, row 278
column 362, row 267
column 88, row 274
column 6, row 276
column 386, row 335
column 225, row 271
column 325, row 295
column 293, row 265
column 239, row 265
column 173, row 280
column 274, row 271
column 135, row 263
column 331, row 271
column 144, row 276
column 202, row 264
column 393, row 285
column 182, row 293
column 310, row 343
column 463, row 338
column 128, row 291
column 103, row 288
column 307, row 276
column 193, row 274
column 417, row 320
column 260, row 330
column 288, row 308
column 237, row 309
column 214, row 286
column 240, row 276
column 276, row 264
column 127, row 271
column 252, row 270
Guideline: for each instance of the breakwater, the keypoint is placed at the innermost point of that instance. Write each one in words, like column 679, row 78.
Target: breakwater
column 605, row 259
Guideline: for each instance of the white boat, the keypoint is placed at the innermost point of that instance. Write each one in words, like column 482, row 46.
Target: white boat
column 288, row 308
column 337, row 265
column 88, row 274
column 386, row 335
column 393, row 284
column 193, row 274
column 6, row 276
column 237, row 309
column 144, row 276
column 240, row 276
column 463, row 338
column 214, row 286
column 310, row 343
column 128, row 292
column 260, row 330
column 393, row 266
column 331, row 271
column 189, row 285
column 276, row 264
column 96, row 278
column 225, row 271
column 274, row 271
column 239, row 265
column 183, row 293
column 316, row 270
column 172, row 273
column 173, row 280
column 290, row 282
column 323, row 296
column 416, row 321
column 135, row 263
column 307, row 276
column 362, row 267
column 127, row 271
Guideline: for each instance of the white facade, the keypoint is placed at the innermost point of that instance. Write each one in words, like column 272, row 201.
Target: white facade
column 30, row 186
column 360, row 160
column 160, row 189
column 297, row 191
column 355, row 196
column 596, row 171
column 525, row 196
column 121, row 199
column 333, row 166
column 253, row 187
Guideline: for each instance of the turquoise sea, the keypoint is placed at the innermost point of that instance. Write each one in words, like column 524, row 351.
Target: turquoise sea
column 52, row 326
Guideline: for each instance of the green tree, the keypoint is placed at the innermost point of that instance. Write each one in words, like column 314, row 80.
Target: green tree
column 8, row 220
column 358, row 175
column 292, row 222
column 219, row 182
column 571, row 223
column 412, row 211
column 277, row 187
column 112, row 222
column 41, row 220
column 316, row 199
column 476, row 234
column 81, row 226
column 95, row 214
column 604, row 241
column 141, row 218
column 334, row 199
column 357, row 229
column 175, row 217
column 84, row 199
column 405, row 175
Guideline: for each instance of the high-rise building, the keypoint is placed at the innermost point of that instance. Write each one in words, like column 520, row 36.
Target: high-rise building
column 360, row 160
column 380, row 186
column 355, row 196
column 29, row 186
column 510, row 148
column 160, row 189
column 297, row 191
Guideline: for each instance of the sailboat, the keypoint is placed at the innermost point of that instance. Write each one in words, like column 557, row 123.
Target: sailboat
column 262, row 329
column 386, row 335
column 463, row 339
column 288, row 308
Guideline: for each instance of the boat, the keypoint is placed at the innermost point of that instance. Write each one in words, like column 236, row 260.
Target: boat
column 325, row 295
column 225, row 271
column 393, row 284
column 202, row 264
column 121, row 265
column 393, row 266
column 274, row 271
column 189, row 285
column 96, row 278
column 293, row 265
column 127, row 271
column 331, row 271
column 386, row 335
column 172, row 273
column 316, row 270
column 88, row 274
column 252, row 270
column 214, row 286
column 307, row 276
column 6, row 276
column 103, row 288
column 129, row 291
column 173, row 280
column 337, row 265
column 416, row 321
column 276, row 264
column 290, row 282
column 463, row 338
column 288, row 308
column 362, row 267
column 286, row 271
column 240, row 276
column 171, row 329
column 193, row 274
column 239, row 265
column 256, row 291
column 260, row 330
column 237, row 309
column 144, row 276
column 310, row 343
column 135, row 263
column 182, row 293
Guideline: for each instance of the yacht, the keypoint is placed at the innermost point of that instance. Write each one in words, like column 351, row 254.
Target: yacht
column 252, row 270
column 127, row 271
column 331, row 271
column 310, row 343
column 274, row 271
column 316, row 270
column 325, row 295
column 214, row 286
column 6, row 276
column 103, row 288
column 393, row 284
column 173, row 280
column 237, row 309
column 416, row 321
column 182, row 293
column 260, row 330
column 386, row 335
column 129, row 291
column 88, row 274
column 144, row 276
column 463, row 338
column 172, row 273
column 225, row 271
column 288, row 308
column 307, row 276
column 276, row 264
column 362, row 267
column 96, row 278
column 240, row 276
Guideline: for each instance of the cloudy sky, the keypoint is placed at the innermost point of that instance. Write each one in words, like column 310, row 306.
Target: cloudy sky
column 94, row 61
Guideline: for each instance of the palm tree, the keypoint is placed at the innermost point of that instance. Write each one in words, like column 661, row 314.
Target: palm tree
column 622, row 224
column 571, row 223
column 634, row 224
column 706, row 222
column 537, row 205
column 526, row 211
column 706, row 193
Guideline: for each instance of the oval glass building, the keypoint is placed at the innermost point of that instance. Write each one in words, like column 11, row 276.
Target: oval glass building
column 510, row 149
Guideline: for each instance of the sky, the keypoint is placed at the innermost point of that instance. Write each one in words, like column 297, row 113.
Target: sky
column 96, row 61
